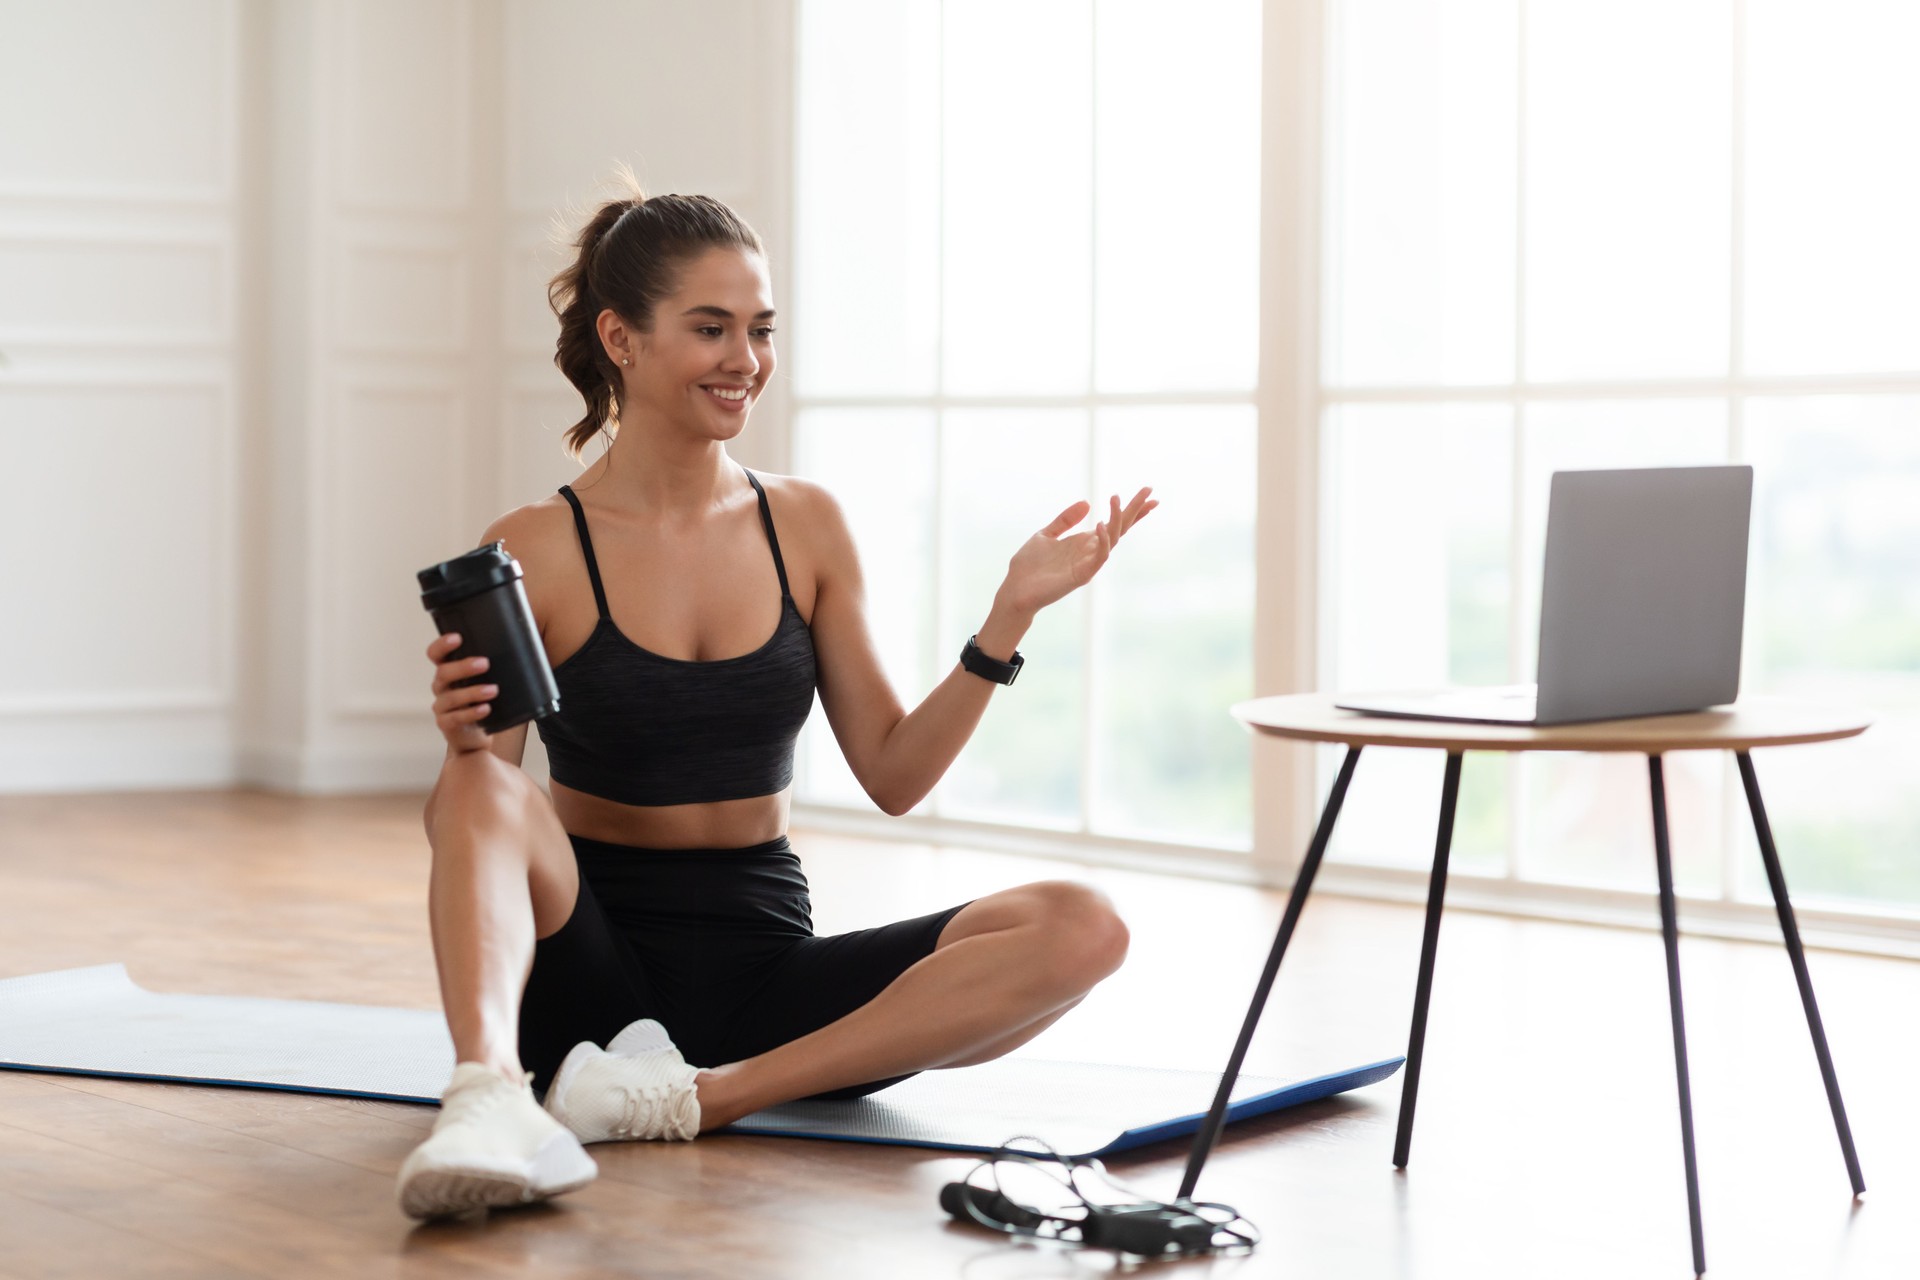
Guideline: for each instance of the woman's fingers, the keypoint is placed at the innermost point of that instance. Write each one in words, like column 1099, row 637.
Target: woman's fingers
column 454, row 699
column 446, row 674
column 1123, row 520
column 1118, row 521
column 462, row 707
column 1137, row 507
column 457, row 708
column 1072, row 516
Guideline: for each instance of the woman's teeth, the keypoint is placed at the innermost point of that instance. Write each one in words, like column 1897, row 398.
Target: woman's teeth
column 741, row 394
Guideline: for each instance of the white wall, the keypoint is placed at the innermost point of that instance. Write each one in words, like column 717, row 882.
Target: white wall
column 274, row 331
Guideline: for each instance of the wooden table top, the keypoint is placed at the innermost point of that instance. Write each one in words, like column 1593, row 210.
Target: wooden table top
column 1748, row 723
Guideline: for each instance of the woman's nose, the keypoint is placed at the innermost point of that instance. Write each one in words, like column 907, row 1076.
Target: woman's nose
column 740, row 357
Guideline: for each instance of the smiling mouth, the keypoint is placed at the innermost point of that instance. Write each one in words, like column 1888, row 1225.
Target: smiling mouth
column 730, row 397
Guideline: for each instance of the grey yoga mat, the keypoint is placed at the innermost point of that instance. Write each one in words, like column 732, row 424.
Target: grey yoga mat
column 97, row 1021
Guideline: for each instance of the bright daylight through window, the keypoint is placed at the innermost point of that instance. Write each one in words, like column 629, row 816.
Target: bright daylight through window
column 1560, row 234
column 1027, row 256
column 1552, row 234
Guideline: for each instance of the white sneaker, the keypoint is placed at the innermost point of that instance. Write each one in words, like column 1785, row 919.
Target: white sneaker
column 491, row 1145
column 644, row 1036
column 638, row 1087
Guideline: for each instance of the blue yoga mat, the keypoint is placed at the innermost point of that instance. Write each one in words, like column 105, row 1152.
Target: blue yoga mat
column 97, row 1021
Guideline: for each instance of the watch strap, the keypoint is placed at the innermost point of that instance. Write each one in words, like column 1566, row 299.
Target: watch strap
column 976, row 661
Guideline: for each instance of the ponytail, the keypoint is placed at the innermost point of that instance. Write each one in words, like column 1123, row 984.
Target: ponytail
column 629, row 255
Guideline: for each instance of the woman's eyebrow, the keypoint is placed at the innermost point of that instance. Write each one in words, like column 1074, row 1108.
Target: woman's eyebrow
column 723, row 313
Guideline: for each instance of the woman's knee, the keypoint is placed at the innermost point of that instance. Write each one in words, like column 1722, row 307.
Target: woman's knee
column 1086, row 936
column 479, row 793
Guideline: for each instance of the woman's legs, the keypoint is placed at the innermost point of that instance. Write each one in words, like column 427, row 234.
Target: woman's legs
column 503, row 874
column 1006, row 967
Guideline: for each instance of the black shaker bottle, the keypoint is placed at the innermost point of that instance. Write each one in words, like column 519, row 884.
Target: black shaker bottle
column 479, row 595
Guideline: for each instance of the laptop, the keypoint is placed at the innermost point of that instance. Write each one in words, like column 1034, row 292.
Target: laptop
column 1641, row 604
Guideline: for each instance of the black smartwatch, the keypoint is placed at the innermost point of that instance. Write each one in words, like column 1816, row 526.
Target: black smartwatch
column 990, row 668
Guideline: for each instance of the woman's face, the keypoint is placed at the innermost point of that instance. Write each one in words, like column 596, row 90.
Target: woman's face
column 711, row 350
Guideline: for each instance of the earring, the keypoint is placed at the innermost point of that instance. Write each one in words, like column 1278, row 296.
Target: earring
column 626, row 361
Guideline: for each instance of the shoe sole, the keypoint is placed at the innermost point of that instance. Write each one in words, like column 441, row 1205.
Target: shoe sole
column 559, row 1166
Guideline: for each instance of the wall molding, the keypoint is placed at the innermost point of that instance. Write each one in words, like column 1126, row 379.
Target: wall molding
column 353, row 254
column 94, row 702
column 321, row 771
column 304, row 242
column 343, row 697
column 386, row 706
column 220, row 440
column 361, row 200
column 115, row 377
column 215, row 196
column 218, row 252
column 159, row 748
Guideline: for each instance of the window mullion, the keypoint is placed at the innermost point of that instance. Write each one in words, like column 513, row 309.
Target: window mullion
column 1088, row 639
column 935, row 597
column 1730, row 806
column 1517, row 423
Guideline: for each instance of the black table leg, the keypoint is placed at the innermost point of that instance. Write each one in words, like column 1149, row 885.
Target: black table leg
column 1429, row 944
column 1217, row 1116
column 1778, row 883
column 1670, row 932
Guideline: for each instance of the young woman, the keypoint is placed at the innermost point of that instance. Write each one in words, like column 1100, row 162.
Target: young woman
column 652, row 905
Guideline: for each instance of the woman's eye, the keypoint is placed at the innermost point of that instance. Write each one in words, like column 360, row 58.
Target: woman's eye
column 713, row 330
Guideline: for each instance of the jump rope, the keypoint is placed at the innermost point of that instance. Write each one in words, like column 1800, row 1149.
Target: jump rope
column 1133, row 1224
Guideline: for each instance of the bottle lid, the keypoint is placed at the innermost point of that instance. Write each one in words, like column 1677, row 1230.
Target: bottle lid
column 481, row 569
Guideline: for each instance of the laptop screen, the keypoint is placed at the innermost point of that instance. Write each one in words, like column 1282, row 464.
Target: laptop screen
column 1644, row 591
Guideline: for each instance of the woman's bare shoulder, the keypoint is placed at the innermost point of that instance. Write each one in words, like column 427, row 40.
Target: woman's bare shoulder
column 813, row 528
column 536, row 532
column 809, row 501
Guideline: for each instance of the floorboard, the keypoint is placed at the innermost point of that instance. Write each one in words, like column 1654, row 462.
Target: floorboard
column 1547, row 1142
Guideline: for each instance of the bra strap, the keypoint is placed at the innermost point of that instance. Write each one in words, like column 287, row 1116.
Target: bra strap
column 586, row 546
column 766, row 518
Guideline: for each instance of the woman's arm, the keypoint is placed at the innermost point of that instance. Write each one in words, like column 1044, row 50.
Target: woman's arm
column 898, row 755
column 458, row 711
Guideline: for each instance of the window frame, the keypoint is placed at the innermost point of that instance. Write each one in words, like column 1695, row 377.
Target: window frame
column 1877, row 928
column 1082, row 841
column 1290, row 401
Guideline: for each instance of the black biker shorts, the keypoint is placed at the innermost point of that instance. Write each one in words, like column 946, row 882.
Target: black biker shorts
column 715, row 944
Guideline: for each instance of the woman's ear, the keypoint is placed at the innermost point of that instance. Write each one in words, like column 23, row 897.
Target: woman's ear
column 616, row 339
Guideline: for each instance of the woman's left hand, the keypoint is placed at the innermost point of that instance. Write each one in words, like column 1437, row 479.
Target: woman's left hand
column 1050, row 565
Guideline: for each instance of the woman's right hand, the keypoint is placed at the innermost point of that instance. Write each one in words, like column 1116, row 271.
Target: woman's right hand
column 458, row 712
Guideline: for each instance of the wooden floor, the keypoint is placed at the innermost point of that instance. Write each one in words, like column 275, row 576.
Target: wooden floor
column 1548, row 1143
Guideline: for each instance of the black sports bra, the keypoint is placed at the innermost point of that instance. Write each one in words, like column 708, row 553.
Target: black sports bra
column 643, row 729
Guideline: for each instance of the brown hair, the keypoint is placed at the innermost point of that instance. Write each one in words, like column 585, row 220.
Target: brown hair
column 631, row 252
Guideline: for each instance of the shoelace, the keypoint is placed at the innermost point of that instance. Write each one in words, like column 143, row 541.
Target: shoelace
column 469, row 1104
column 640, row 1105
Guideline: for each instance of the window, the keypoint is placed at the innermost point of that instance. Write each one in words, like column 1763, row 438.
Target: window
column 1559, row 234
column 1026, row 273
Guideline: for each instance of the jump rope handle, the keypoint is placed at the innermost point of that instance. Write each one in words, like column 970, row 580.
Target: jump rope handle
column 989, row 1204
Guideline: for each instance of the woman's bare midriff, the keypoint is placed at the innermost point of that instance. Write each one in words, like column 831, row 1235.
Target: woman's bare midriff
column 721, row 824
